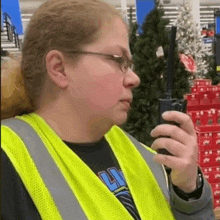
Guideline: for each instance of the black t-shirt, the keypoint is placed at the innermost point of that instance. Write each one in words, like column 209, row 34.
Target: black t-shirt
column 17, row 203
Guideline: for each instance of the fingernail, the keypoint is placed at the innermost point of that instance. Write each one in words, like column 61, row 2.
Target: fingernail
column 151, row 132
column 165, row 113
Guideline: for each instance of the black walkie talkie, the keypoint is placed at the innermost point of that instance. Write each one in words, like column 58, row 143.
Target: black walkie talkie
column 168, row 103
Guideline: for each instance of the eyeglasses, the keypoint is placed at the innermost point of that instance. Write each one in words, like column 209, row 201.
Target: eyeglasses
column 123, row 61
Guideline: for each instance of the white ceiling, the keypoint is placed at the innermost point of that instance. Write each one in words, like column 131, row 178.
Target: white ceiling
column 29, row 6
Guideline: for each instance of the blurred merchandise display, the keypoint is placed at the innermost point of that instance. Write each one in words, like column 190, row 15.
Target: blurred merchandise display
column 203, row 105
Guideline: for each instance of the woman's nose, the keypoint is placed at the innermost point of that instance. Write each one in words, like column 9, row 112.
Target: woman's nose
column 131, row 79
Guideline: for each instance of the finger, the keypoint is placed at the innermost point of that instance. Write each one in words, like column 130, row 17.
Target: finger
column 182, row 119
column 171, row 131
column 171, row 145
column 175, row 163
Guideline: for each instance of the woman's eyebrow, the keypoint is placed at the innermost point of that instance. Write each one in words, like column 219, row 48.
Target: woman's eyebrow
column 124, row 51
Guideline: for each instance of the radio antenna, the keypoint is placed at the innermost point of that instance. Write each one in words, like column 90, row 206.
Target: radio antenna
column 171, row 63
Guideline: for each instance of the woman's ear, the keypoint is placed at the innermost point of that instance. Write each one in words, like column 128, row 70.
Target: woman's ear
column 55, row 66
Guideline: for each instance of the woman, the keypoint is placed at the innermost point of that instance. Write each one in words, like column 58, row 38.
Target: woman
column 66, row 158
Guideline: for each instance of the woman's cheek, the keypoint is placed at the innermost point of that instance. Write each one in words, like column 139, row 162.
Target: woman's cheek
column 105, row 92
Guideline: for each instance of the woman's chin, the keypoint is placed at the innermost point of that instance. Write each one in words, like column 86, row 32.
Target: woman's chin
column 121, row 119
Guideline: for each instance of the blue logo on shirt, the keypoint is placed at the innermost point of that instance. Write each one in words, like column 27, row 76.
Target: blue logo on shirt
column 113, row 179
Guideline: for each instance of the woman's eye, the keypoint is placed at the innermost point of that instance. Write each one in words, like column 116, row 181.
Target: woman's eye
column 119, row 60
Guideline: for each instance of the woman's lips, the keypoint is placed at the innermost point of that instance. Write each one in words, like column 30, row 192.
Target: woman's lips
column 126, row 104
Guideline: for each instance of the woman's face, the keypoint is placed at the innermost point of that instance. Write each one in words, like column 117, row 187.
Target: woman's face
column 98, row 88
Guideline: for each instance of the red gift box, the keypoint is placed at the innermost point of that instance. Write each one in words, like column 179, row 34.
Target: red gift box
column 218, row 117
column 206, row 117
column 216, row 140
column 192, row 101
column 203, row 89
column 215, row 88
column 194, row 116
column 205, row 99
column 216, row 190
column 209, row 117
column 194, row 89
column 215, row 115
column 215, row 100
column 211, row 174
column 207, row 128
column 202, row 82
column 209, row 158
column 217, row 174
column 215, row 157
column 207, row 172
column 205, row 141
column 205, row 159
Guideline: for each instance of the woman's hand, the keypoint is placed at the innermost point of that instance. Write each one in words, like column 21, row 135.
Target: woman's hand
column 182, row 144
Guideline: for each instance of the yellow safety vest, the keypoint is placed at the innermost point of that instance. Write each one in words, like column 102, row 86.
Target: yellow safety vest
column 62, row 186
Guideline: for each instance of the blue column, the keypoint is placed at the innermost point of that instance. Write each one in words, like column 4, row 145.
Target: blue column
column 217, row 45
column 217, row 28
column 12, row 7
column 1, row 20
column 143, row 8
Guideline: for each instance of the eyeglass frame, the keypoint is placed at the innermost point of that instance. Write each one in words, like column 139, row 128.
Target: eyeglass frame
column 129, row 63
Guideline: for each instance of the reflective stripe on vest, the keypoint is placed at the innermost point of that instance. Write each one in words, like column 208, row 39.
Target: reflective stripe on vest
column 68, row 206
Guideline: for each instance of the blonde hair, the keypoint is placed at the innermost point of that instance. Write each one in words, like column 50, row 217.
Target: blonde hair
column 56, row 24
column 13, row 97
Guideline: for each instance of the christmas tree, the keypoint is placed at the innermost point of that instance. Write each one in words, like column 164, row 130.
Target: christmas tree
column 144, row 114
column 189, row 40
column 212, row 73
column 150, row 52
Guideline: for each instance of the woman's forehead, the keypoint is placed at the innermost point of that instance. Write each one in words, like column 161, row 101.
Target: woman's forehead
column 114, row 36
